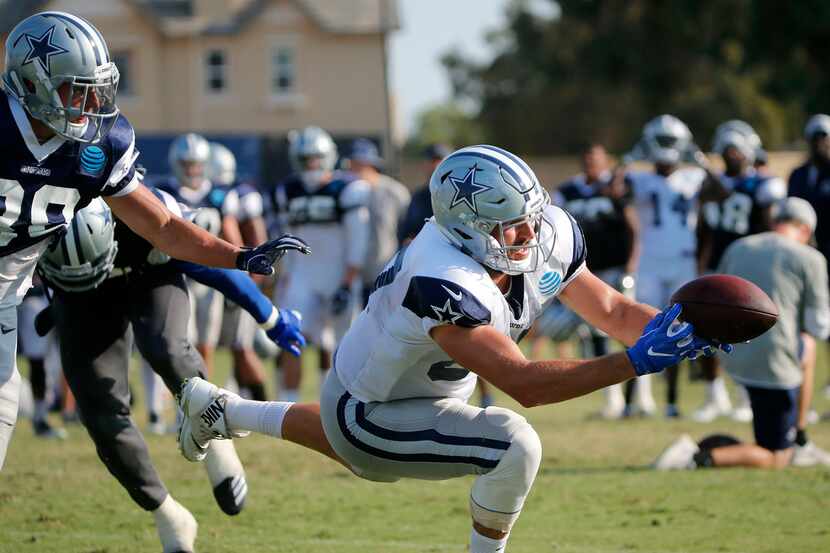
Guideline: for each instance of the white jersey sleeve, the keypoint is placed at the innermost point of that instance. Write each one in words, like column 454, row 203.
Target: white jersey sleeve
column 770, row 191
column 355, row 202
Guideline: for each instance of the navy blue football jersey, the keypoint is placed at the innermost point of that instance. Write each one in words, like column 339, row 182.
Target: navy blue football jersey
column 43, row 185
column 601, row 218
column 298, row 205
column 741, row 213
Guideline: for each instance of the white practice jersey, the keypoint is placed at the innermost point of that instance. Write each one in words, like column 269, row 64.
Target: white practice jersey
column 667, row 209
column 333, row 219
column 388, row 353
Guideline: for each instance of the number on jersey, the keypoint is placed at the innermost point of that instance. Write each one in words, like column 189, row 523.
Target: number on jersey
column 50, row 206
column 732, row 215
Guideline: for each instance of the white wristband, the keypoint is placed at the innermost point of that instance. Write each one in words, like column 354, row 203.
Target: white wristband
column 273, row 319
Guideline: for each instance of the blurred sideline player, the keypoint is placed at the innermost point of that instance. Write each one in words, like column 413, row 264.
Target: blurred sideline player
column 112, row 288
column 456, row 300
column 666, row 203
column 329, row 209
column 238, row 327
column 420, row 206
column 217, row 208
column 35, row 349
column 740, row 206
column 387, row 203
column 811, row 181
column 602, row 207
column 771, row 366
column 64, row 142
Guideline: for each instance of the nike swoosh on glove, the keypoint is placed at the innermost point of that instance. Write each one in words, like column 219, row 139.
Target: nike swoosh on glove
column 261, row 260
column 666, row 341
column 286, row 333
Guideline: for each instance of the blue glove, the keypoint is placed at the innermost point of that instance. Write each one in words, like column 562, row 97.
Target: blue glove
column 260, row 260
column 666, row 341
column 340, row 300
column 286, row 333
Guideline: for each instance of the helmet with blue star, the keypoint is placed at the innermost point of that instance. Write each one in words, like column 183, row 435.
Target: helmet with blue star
column 485, row 197
column 59, row 68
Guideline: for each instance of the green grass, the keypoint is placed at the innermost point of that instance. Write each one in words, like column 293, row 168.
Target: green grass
column 593, row 494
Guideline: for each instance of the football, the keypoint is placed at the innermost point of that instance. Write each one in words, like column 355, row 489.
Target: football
column 726, row 308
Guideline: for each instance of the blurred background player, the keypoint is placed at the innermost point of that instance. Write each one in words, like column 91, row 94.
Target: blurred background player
column 666, row 203
column 420, row 206
column 741, row 205
column 238, row 327
column 217, row 208
column 329, row 209
column 603, row 208
column 388, row 201
column 811, row 181
column 772, row 366
column 35, row 349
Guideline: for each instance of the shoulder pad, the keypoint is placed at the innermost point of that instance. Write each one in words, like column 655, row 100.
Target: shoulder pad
column 444, row 301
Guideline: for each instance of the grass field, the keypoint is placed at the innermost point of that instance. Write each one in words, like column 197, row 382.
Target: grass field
column 594, row 493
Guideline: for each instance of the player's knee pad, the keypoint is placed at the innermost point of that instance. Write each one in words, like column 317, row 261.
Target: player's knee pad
column 498, row 496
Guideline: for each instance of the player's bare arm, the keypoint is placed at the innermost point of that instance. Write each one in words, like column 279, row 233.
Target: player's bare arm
column 607, row 309
column 496, row 358
column 178, row 238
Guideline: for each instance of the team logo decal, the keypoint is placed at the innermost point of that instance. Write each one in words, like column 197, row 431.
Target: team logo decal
column 467, row 189
column 93, row 161
column 549, row 283
column 42, row 49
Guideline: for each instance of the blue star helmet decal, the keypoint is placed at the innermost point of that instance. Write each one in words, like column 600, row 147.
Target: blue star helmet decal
column 42, row 49
column 467, row 189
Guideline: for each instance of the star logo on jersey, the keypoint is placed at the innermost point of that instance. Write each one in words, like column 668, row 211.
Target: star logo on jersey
column 42, row 49
column 446, row 314
column 467, row 189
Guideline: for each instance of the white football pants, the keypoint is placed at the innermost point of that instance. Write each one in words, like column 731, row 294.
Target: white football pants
column 9, row 378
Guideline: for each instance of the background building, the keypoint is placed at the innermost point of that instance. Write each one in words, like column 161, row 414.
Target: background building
column 242, row 71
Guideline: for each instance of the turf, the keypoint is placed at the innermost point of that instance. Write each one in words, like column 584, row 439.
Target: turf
column 594, row 493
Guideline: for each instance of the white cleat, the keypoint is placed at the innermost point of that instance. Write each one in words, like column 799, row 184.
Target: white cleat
column 203, row 405
column 710, row 411
column 176, row 527
column 230, row 488
column 612, row 411
column 678, row 456
column 810, row 455
column 742, row 413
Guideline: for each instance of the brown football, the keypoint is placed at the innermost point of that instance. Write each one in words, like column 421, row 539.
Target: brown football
column 726, row 308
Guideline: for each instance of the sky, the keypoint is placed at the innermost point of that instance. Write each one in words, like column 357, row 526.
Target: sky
column 429, row 29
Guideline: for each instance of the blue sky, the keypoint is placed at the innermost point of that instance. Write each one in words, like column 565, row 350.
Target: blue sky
column 430, row 28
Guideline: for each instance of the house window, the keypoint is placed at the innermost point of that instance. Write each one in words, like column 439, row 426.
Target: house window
column 123, row 61
column 215, row 71
column 283, row 70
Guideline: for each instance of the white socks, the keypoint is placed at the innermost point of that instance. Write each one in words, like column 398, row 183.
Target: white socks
column 175, row 525
column 483, row 544
column 264, row 417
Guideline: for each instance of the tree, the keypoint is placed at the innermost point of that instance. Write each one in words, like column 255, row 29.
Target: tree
column 446, row 123
column 603, row 68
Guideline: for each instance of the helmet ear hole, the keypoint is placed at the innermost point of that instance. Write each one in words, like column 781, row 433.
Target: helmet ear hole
column 30, row 86
column 69, row 33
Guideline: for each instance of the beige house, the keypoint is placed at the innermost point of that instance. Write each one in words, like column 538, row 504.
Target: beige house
column 243, row 68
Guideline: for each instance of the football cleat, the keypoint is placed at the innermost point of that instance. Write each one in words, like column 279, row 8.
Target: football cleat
column 810, row 455
column 710, row 411
column 230, row 488
column 176, row 527
column 203, row 405
column 679, row 455
column 46, row 431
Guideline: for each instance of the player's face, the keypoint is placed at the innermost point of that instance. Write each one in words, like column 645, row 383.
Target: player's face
column 520, row 233
column 192, row 169
column 80, row 99
column 733, row 159
column 595, row 163
column 311, row 163
column 820, row 145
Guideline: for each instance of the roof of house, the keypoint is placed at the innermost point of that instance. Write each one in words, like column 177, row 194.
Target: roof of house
column 177, row 17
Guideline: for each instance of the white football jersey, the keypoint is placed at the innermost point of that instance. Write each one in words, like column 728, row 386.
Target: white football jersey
column 667, row 209
column 388, row 353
